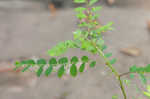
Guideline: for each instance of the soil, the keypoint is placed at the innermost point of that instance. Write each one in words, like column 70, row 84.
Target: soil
column 28, row 29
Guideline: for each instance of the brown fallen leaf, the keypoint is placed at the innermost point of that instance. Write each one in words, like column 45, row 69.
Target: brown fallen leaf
column 148, row 24
column 110, row 2
column 131, row 51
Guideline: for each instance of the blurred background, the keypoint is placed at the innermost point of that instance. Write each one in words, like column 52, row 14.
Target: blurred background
column 28, row 28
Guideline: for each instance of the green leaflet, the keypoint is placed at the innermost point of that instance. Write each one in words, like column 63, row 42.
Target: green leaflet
column 100, row 42
column 80, row 9
column 49, row 70
column 143, row 78
column 107, row 55
column 73, row 70
column 82, row 67
column 62, row 47
column 87, row 45
column 133, row 68
column 81, row 15
column 115, row 97
column 26, row 68
column 92, row 2
column 77, row 34
column 84, row 59
column 103, row 47
column 30, row 61
column 40, row 70
column 61, row 71
column 97, row 8
column 18, row 65
column 147, row 93
column 113, row 61
column 105, row 28
column 80, row 1
column 53, row 61
column 63, row 60
column 74, row 60
column 136, row 69
column 92, row 64
column 131, row 76
column 41, row 62
column 147, row 68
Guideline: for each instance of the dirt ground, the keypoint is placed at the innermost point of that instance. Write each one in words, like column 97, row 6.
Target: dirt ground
column 28, row 29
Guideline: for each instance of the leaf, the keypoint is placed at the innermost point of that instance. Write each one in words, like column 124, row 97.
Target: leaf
column 103, row 47
column 41, row 62
column 40, row 70
column 113, row 61
column 84, row 59
column 100, row 42
column 105, row 28
column 24, row 62
column 73, row 70
column 26, row 68
column 146, row 94
column 147, row 69
column 86, row 45
column 70, row 44
column 53, row 61
column 81, row 15
column 80, row 1
column 131, row 76
column 82, row 67
column 94, row 9
column 143, row 78
column 114, row 97
column 61, row 71
column 92, row 64
column 133, row 68
column 74, row 60
column 107, row 55
column 18, row 65
column 63, row 60
column 92, row 2
column 80, row 9
column 148, row 88
column 49, row 70
column 30, row 61
column 57, row 50
column 77, row 34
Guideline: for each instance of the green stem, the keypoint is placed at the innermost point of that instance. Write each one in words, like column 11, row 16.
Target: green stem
column 106, row 60
column 113, row 70
column 122, row 87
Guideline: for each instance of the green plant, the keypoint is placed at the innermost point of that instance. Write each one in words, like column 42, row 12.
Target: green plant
column 148, row 91
column 88, row 37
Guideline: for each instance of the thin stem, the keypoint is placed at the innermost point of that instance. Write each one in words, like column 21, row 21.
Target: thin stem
column 126, row 73
column 107, row 61
column 105, row 58
column 113, row 70
column 122, row 87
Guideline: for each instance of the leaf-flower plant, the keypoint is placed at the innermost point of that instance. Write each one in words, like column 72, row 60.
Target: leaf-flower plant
column 88, row 37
